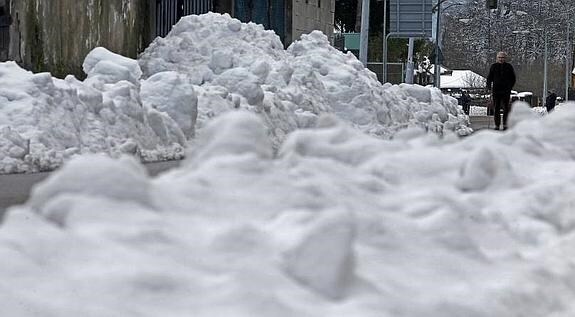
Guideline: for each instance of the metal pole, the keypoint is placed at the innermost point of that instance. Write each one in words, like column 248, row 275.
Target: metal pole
column 385, row 39
column 384, row 64
column 409, row 69
column 545, row 69
column 364, row 34
column 437, row 68
column 567, row 56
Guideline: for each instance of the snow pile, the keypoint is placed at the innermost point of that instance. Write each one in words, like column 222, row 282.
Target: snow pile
column 45, row 120
column 206, row 66
column 338, row 223
column 247, row 68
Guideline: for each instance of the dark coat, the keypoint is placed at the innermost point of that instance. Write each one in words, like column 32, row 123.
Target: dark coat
column 502, row 78
column 550, row 101
column 465, row 99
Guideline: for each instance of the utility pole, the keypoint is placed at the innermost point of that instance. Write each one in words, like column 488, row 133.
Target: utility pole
column 437, row 68
column 567, row 56
column 545, row 67
column 384, row 44
column 438, row 55
column 364, row 34
column 409, row 69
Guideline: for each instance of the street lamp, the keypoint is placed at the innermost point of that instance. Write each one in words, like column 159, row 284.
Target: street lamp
column 437, row 62
column 437, row 69
column 568, row 48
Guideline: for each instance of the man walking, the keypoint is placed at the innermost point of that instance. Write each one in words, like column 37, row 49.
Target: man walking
column 500, row 81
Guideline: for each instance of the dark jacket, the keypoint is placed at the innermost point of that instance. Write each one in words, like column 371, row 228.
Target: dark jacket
column 550, row 101
column 465, row 99
column 501, row 78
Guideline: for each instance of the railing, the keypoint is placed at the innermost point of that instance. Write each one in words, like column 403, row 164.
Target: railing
column 169, row 12
column 4, row 37
column 395, row 71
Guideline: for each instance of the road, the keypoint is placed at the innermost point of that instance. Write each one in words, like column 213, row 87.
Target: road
column 15, row 188
column 481, row 122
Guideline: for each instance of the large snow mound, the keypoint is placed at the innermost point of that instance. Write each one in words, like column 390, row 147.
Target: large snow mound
column 290, row 88
column 339, row 223
column 207, row 65
column 44, row 120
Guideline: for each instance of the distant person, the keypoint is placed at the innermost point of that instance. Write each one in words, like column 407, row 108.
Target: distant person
column 465, row 102
column 550, row 100
column 500, row 81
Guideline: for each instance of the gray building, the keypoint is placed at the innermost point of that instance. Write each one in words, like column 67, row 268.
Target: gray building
column 56, row 35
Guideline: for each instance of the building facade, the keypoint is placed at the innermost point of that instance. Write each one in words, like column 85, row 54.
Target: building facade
column 56, row 35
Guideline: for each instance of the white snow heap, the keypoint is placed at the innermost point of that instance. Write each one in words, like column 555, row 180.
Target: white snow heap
column 207, row 65
column 340, row 223
column 44, row 120
column 105, row 67
column 290, row 88
column 172, row 93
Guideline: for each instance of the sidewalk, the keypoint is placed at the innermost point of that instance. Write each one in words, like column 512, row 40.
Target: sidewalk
column 481, row 122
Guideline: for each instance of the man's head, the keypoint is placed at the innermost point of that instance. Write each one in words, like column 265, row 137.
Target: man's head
column 501, row 57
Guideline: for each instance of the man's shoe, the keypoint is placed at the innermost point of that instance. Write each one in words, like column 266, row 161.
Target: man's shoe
column 496, row 127
column 504, row 127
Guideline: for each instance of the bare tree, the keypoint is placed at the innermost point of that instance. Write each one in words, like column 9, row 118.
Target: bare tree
column 473, row 35
column 472, row 80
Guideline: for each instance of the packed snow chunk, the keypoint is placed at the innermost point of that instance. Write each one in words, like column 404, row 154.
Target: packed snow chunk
column 210, row 43
column 91, row 97
column 420, row 93
column 97, row 175
column 124, row 95
column 220, row 61
column 486, row 168
column 243, row 82
column 105, row 67
column 332, row 139
column 12, row 144
column 557, row 130
column 234, row 133
column 160, row 123
column 321, row 256
column 173, row 94
column 521, row 111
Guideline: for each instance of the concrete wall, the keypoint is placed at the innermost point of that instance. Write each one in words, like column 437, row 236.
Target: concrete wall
column 308, row 15
column 56, row 35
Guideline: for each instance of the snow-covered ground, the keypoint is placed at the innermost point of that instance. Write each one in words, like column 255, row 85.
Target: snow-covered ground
column 302, row 192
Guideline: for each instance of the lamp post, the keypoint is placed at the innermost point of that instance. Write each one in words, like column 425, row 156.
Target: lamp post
column 567, row 60
column 568, row 47
column 545, row 67
column 437, row 62
column 437, row 68
column 568, row 53
column 364, row 32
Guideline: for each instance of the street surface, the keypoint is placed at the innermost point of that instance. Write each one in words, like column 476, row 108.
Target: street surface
column 481, row 122
column 15, row 188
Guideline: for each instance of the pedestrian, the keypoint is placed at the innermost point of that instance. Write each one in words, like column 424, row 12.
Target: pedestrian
column 550, row 100
column 500, row 81
column 465, row 102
